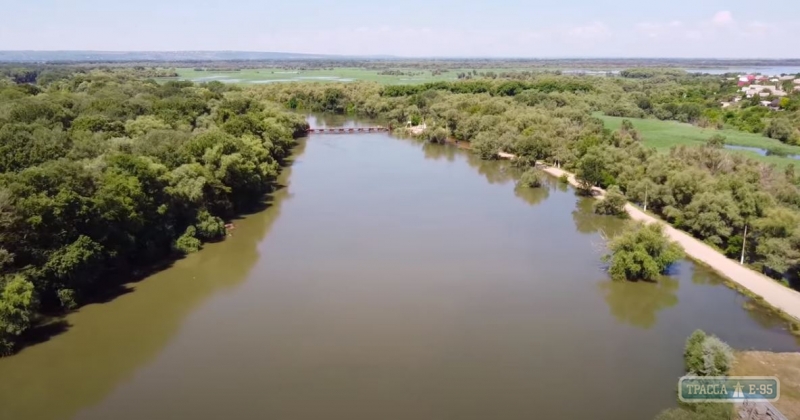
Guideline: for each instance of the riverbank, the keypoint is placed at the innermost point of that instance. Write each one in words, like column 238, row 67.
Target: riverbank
column 784, row 366
column 782, row 298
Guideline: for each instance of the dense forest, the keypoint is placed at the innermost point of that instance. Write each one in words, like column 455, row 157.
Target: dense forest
column 105, row 173
column 742, row 207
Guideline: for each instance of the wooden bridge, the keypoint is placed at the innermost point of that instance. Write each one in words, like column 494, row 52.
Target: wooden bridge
column 346, row 130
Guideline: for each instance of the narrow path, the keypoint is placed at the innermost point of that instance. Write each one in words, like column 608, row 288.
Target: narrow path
column 777, row 295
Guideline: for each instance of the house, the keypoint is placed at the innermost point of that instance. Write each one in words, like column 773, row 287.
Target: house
column 797, row 81
column 738, row 98
column 765, row 103
column 774, row 80
column 725, row 104
column 785, row 78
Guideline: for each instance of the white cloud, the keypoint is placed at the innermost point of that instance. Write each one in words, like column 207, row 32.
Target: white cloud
column 592, row 31
column 723, row 18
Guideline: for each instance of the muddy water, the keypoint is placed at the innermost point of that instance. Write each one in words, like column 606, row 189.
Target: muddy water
column 394, row 280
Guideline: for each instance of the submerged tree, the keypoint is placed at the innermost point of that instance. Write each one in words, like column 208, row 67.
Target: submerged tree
column 642, row 252
column 532, row 178
column 613, row 204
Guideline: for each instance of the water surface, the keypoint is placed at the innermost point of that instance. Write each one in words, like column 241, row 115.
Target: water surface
column 389, row 279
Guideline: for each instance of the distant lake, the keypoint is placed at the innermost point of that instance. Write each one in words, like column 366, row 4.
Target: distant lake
column 773, row 70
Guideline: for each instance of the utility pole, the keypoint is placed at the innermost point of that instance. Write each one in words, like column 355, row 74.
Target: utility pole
column 645, row 196
column 744, row 242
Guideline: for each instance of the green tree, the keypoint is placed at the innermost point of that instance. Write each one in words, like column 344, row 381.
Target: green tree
column 592, row 170
column 613, row 203
column 642, row 252
column 188, row 243
column 532, row 178
column 780, row 129
column 18, row 306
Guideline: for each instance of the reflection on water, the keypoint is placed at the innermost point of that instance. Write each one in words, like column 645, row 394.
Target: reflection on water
column 586, row 221
column 437, row 152
column 761, row 152
column 638, row 303
column 533, row 196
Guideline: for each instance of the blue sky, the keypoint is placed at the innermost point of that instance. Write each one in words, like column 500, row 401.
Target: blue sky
column 496, row 28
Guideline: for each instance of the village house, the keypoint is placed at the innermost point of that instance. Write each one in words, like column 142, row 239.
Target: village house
column 763, row 91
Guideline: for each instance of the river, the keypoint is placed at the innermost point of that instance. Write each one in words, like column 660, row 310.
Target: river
column 388, row 279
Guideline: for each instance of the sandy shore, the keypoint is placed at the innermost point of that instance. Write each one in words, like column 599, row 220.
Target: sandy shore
column 774, row 293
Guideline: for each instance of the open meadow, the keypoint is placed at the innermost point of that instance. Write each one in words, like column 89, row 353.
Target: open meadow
column 336, row 74
column 663, row 135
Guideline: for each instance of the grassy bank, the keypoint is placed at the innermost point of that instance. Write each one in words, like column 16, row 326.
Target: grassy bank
column 664, row 134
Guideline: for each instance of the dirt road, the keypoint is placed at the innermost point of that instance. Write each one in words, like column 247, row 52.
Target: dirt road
column 773, row 292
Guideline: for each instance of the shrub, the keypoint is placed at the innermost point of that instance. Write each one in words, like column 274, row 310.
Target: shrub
column 693, row 352
column 642, row 252
column 486, row 146
column 437, row 135
column 707, row 355
column 613, row 204
column 717, row 357
column 716, row 141
column 532, row 178
column 18, row 306
column 67, row 298
column 564, row 179
column 779, row 129
column 188, row 243
column 209, row 227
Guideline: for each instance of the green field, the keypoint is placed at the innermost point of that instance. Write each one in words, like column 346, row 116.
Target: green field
column 337, row 74
column 342, row 74
column 662, row 135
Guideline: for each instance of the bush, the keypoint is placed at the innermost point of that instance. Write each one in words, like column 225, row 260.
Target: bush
column 642, row 252
column 486, row 146
column 18, row 306
column 437, row 135
column 707, row 355
column 613, row 204
column 209, row 227
column 564, row 179
column 779, row 129
column 716, row 141
column 67, row 298
column 693, row 352
column 188, row 243
column 532, row 178
column 717, row 357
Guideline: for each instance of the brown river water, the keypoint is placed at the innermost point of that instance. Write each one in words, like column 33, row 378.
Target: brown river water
column 388, row 279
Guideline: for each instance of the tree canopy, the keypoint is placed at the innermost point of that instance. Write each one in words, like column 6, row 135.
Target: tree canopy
column 104, row 173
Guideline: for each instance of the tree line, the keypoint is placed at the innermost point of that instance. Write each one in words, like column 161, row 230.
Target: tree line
column 104, row 174
column 746, row 209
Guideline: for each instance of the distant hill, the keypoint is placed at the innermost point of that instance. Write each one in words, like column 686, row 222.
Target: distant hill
column 118, row 56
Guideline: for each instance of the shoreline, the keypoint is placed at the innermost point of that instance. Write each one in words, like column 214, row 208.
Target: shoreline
column 777, row 297
column 785, row 300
